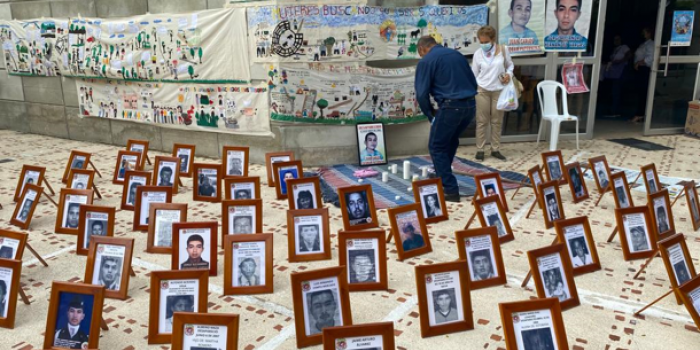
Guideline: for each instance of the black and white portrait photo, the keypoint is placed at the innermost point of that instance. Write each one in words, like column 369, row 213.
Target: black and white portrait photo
column 184, row 155
column 580, row 255
column 248, row 272
column 108, row 268
column 176, row 303
column 235, row 161
column 207, row 182
column 445, row 306
column 357, row 208
column 623, row 200
column 5, row 284
column 242, row 194
column 134, row 182
column 552, row 206
column 166, row 174
column 495, row 220
column 662, row 223
column 681, row 270
column 321, row 310
column 554, row 167
column 603, row 180
column 481, row 264
column 538, row 339
column 242, row 224
column 362, row 266
column 577, row 182
column 78, row 162
column 180, row 295
column 308, row 239
column 248, row 264
column 554, row 284
column 96, row 226
column 71, row 217
column 31, row 177
column 26, row 208
column 444, row 298
column 432, row 205
column 639, row 239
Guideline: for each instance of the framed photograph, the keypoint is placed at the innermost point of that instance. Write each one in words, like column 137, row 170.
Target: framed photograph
column 242, row 188
column 601, row 173
column 637, row 236
column 235, row 161
column 186, row 155
column 24, row 210
column 206, row 182
column 490, row 184
column 691, row 195
column 193, row 331
column 126, row 160
column 76, row 160
column 272, row 158
column 659, row 205
column 554, row 166
column 377, row 336
column 534, row 174
column 309, row 235
column 357, row 207
column 160, row 229
column 577, row 185
column 30, row 175
column 69, row 299
column 321, row 299
column 195, row 246
column 550, row 202
column 248, row 264
column 371, row 144
column 68, row 218
column 429, row 193
column 409, row 230
column 10, row 272
column 132, row 180
column 109, row 261
column 444, row 302
column 305, row 193
column 241, row 216
column 285, row 171
column 677, row 260
column 12, row 244
column 690, row 296
column 171, row 292
column 553, row 275
column 621, row 190
column 491, row 213
column 140, row 146
column 651, row 178
column 533, row 323
column 94, row 221
column 81, row 179
column 481, row 250
column 166, row 172
column 363, row 253
column 145, row 196
column 578, row 239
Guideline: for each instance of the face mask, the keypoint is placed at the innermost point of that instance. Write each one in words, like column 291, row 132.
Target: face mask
column 486, row 47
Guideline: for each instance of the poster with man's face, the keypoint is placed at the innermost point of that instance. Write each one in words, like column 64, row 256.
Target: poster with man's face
column 680, row 266
column 74, row 310
column 553, row 277
column 95, row 225
column 304, row 195
column 184, row 154
column 109, row 266
column 207, row 182
column 534, row 330
column 80, row 181
column 5, row 292
column 241, row 219
column 521, row 26
column 30, row 177
column 554, row 167
column 357, row 208
column 444, row 294
column 579, row 250
column 322, row 308
column 482, row 262
column 26, row 208
column 8, row 247
column 243, row 190
column 235, row 163
column 567, row 25
column 176, row 296
column 635, row 226
column 71, row 210
column 309, row 234
column 362, row 257
column 166, row 174
column 134, row 182
column 248, row 264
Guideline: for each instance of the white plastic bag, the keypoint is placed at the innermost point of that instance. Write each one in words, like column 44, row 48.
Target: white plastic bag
column 508, row 99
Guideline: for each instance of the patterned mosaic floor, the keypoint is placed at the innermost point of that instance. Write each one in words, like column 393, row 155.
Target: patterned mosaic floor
column 604, row 320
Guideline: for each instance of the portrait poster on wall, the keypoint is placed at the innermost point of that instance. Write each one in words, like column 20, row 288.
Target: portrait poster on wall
column 567, row 25
column 521, row 26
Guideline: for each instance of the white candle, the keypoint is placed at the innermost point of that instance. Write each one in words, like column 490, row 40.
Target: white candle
column 394, row 168
column 406, row 170
column 425, row 172
column 385, row 176
column 415, row 177
column 359, row 180
column 397, row 197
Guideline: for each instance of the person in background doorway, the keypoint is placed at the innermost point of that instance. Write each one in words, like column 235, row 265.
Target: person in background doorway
column 614, row 70
column 643, row 59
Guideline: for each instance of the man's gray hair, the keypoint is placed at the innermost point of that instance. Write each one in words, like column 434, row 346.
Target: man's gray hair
column 427, row 41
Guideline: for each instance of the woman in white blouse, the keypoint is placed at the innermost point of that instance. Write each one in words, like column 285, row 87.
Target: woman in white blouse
column 492, row 75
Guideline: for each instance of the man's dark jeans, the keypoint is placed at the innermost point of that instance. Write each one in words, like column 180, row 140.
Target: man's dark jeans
column 451, row 120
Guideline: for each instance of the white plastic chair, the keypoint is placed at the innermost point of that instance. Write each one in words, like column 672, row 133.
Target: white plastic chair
column 547, row 93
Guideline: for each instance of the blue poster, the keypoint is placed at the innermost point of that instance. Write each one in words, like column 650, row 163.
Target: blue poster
column 682, row 30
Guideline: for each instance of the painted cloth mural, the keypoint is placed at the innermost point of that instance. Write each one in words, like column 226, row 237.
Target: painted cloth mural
column 213, row 107
column 342, row 33
column 199, row 46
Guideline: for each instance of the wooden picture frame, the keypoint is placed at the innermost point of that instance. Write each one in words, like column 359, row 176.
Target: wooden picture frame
column 553, row 261
column 209, row 246
column 12, row 244
column 248, row 250
column 364, row 255
column 481, row 250
column 554, row 173
column 115, row 249
column 549, row 198
column 491, row 213
column 24, row 210
column 453, row 277
column 621, row 190
column 639, row 241
column 690, row 296
column 193, row 282
column 186, row 154
column 281, row 170
column 310, row 286
column 691, row 195
column 76, row 160
column 305, row 193
column 241, row 188
column 659, row 204
column 599, row 166
column 430, row 190
column 651, row 178
column 38, row 176
column 81, row 179
column 577, row 184
column 230, row 153
column 305, row 222
column 160, row 169
column 185, row 325
column 145, row 195
column 93, row 217
column 132, row 180
column 679, row 265
column 575, row 234
column 200, row 191
column 158, row 229
column 536, row 177
column 490, row 184
column 378, row 335
column 10, row 273
column 140, row 146
column 351, row 198
column 126, row 160
column 378, row 155
column 531, row 311
column 65, row 222
column 232, row 223
column 60, row 302
column 275, row 157
column 405, row 221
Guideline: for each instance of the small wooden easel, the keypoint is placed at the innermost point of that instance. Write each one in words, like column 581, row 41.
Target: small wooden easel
column 50, row 199
column 610, row 185
column 95, row 168
column 529, row 273
column 521, row 185
column 36, row 255
column 655, row 301
column 48, row 185
column 646, row 264
column 471, row 218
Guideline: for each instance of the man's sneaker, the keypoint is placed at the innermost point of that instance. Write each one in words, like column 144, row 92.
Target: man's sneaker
column 498, row 155
column 480, row 155
column 452, row 197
